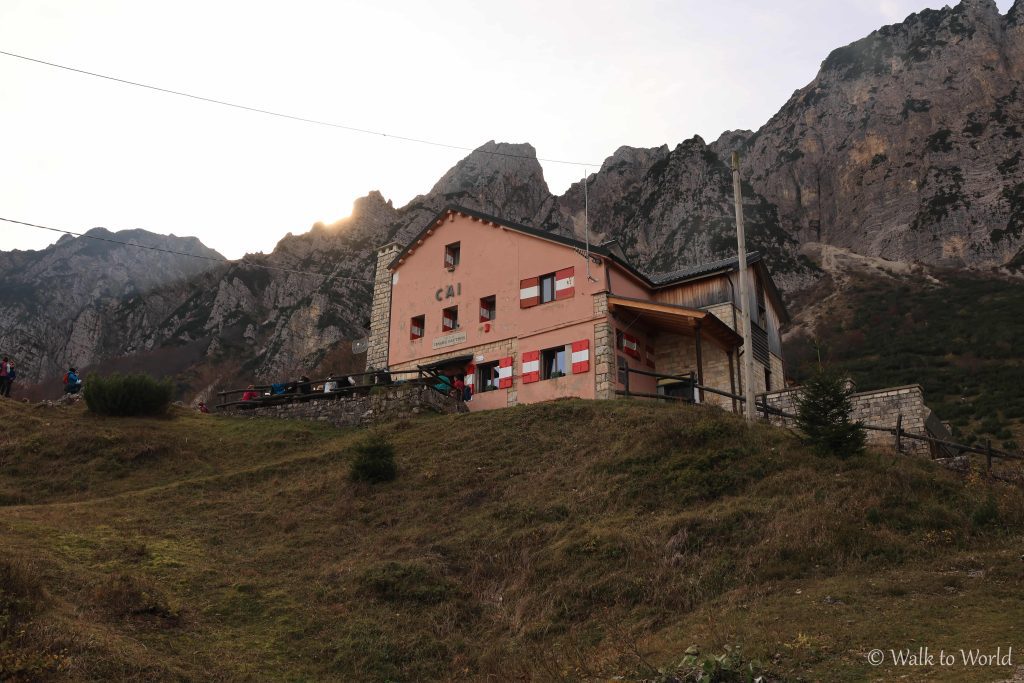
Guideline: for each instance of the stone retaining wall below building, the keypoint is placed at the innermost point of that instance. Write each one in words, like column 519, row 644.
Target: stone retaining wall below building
column 382, row 405
column 880, row 408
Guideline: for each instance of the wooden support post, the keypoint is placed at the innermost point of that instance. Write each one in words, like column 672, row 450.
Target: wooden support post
column 700, row 364
column 988, row 456
column 741, row 265
column 626, row 383
column 899, row 432
column 732, row 378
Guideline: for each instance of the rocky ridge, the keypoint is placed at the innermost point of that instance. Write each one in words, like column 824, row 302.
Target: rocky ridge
column 906, row 147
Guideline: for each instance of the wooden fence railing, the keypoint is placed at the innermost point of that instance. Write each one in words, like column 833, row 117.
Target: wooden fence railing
column 424, row 376
column 767, row 411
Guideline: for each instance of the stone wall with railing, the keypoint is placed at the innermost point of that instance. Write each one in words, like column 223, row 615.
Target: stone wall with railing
column 879, row 408
column 382, row 404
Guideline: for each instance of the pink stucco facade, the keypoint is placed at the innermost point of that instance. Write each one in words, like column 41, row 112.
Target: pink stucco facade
column 415, row 286
column 492, row 262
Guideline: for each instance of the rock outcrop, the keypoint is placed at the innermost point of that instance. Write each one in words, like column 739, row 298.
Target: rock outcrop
column 54, row 303
column 907, row 145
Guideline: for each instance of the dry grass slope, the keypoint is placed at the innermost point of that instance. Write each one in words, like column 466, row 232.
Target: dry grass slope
column 573, row 540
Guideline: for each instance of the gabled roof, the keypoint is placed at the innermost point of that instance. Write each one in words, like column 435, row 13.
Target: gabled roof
column 599, row 249
column 610, row 250
column 703, row 269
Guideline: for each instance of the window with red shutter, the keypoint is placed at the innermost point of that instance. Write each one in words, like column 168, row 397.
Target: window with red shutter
column 488, row 308
column 631, row 345
column 531, row 366
column 450, row 319
column 505, row 373
column 581, row 356
column 565, row 283
column 417, row 327
column 529, row 292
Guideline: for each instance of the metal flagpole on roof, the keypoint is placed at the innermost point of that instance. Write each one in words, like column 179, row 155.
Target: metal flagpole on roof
column 745, row 308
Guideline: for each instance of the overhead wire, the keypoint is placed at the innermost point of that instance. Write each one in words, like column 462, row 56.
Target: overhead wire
column 294, row 117
column 242, row 261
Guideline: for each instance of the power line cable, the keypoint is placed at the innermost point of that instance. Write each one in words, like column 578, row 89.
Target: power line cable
column 293, row 117
column 242, row 262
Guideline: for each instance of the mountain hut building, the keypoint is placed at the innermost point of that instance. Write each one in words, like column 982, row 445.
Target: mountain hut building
column 522, row 315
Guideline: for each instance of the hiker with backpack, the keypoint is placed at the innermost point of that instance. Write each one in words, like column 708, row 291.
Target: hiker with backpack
column 72, row 383
column 7, row 376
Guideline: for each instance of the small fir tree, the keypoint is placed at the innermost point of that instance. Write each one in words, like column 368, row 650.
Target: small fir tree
column 374, row 460
column 823, row 415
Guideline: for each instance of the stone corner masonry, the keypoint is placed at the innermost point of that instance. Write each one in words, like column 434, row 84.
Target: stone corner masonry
column 380, row 310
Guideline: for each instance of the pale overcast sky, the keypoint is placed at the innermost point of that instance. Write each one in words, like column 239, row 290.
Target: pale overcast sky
column 575, row 79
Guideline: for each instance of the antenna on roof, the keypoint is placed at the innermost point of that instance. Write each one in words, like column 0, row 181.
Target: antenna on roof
column 586, row 221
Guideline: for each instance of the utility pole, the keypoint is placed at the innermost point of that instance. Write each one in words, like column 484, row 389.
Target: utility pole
column 741, row 240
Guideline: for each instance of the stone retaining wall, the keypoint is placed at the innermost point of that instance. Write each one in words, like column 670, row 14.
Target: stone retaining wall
column 879, row 408
column 383, row 405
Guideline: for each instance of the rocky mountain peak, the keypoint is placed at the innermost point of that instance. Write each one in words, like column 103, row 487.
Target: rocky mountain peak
column 1015, row 17
column 634, row 156
column 907, row 143
column 907, row 146
column 729, row 141
column 498, row 177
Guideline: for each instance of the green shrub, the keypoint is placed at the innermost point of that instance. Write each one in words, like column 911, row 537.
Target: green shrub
column 374, row 460
column 823, row 415
column 729, row 666
column 121, row 395
column 986, row 513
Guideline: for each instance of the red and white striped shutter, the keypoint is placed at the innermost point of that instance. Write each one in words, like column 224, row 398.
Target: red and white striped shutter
column 581, row 356
column 484, row 315
column 529, row 292
column 565, row 283
column 531, row 366
column 631, row 345
column 470, row 378
column 505, row 373
column 447, row 323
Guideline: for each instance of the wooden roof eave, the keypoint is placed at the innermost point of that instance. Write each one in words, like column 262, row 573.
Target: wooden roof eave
column 679, row 318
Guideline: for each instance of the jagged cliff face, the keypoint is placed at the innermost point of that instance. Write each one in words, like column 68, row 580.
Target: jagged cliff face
column 667, row 208
column 673, row 208
column 906, row 146
column 908, row 143
column 267, row 315
column 53, row 302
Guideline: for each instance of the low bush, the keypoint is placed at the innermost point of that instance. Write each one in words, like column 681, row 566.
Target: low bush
column 126, row 395
column 374, row 460
column 126, row 595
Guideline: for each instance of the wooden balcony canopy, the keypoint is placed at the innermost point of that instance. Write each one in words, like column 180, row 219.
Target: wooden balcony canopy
column 678, row 319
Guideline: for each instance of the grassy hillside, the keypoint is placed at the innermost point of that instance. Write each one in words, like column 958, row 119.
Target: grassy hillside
column 959, row 337
column 567, row 541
